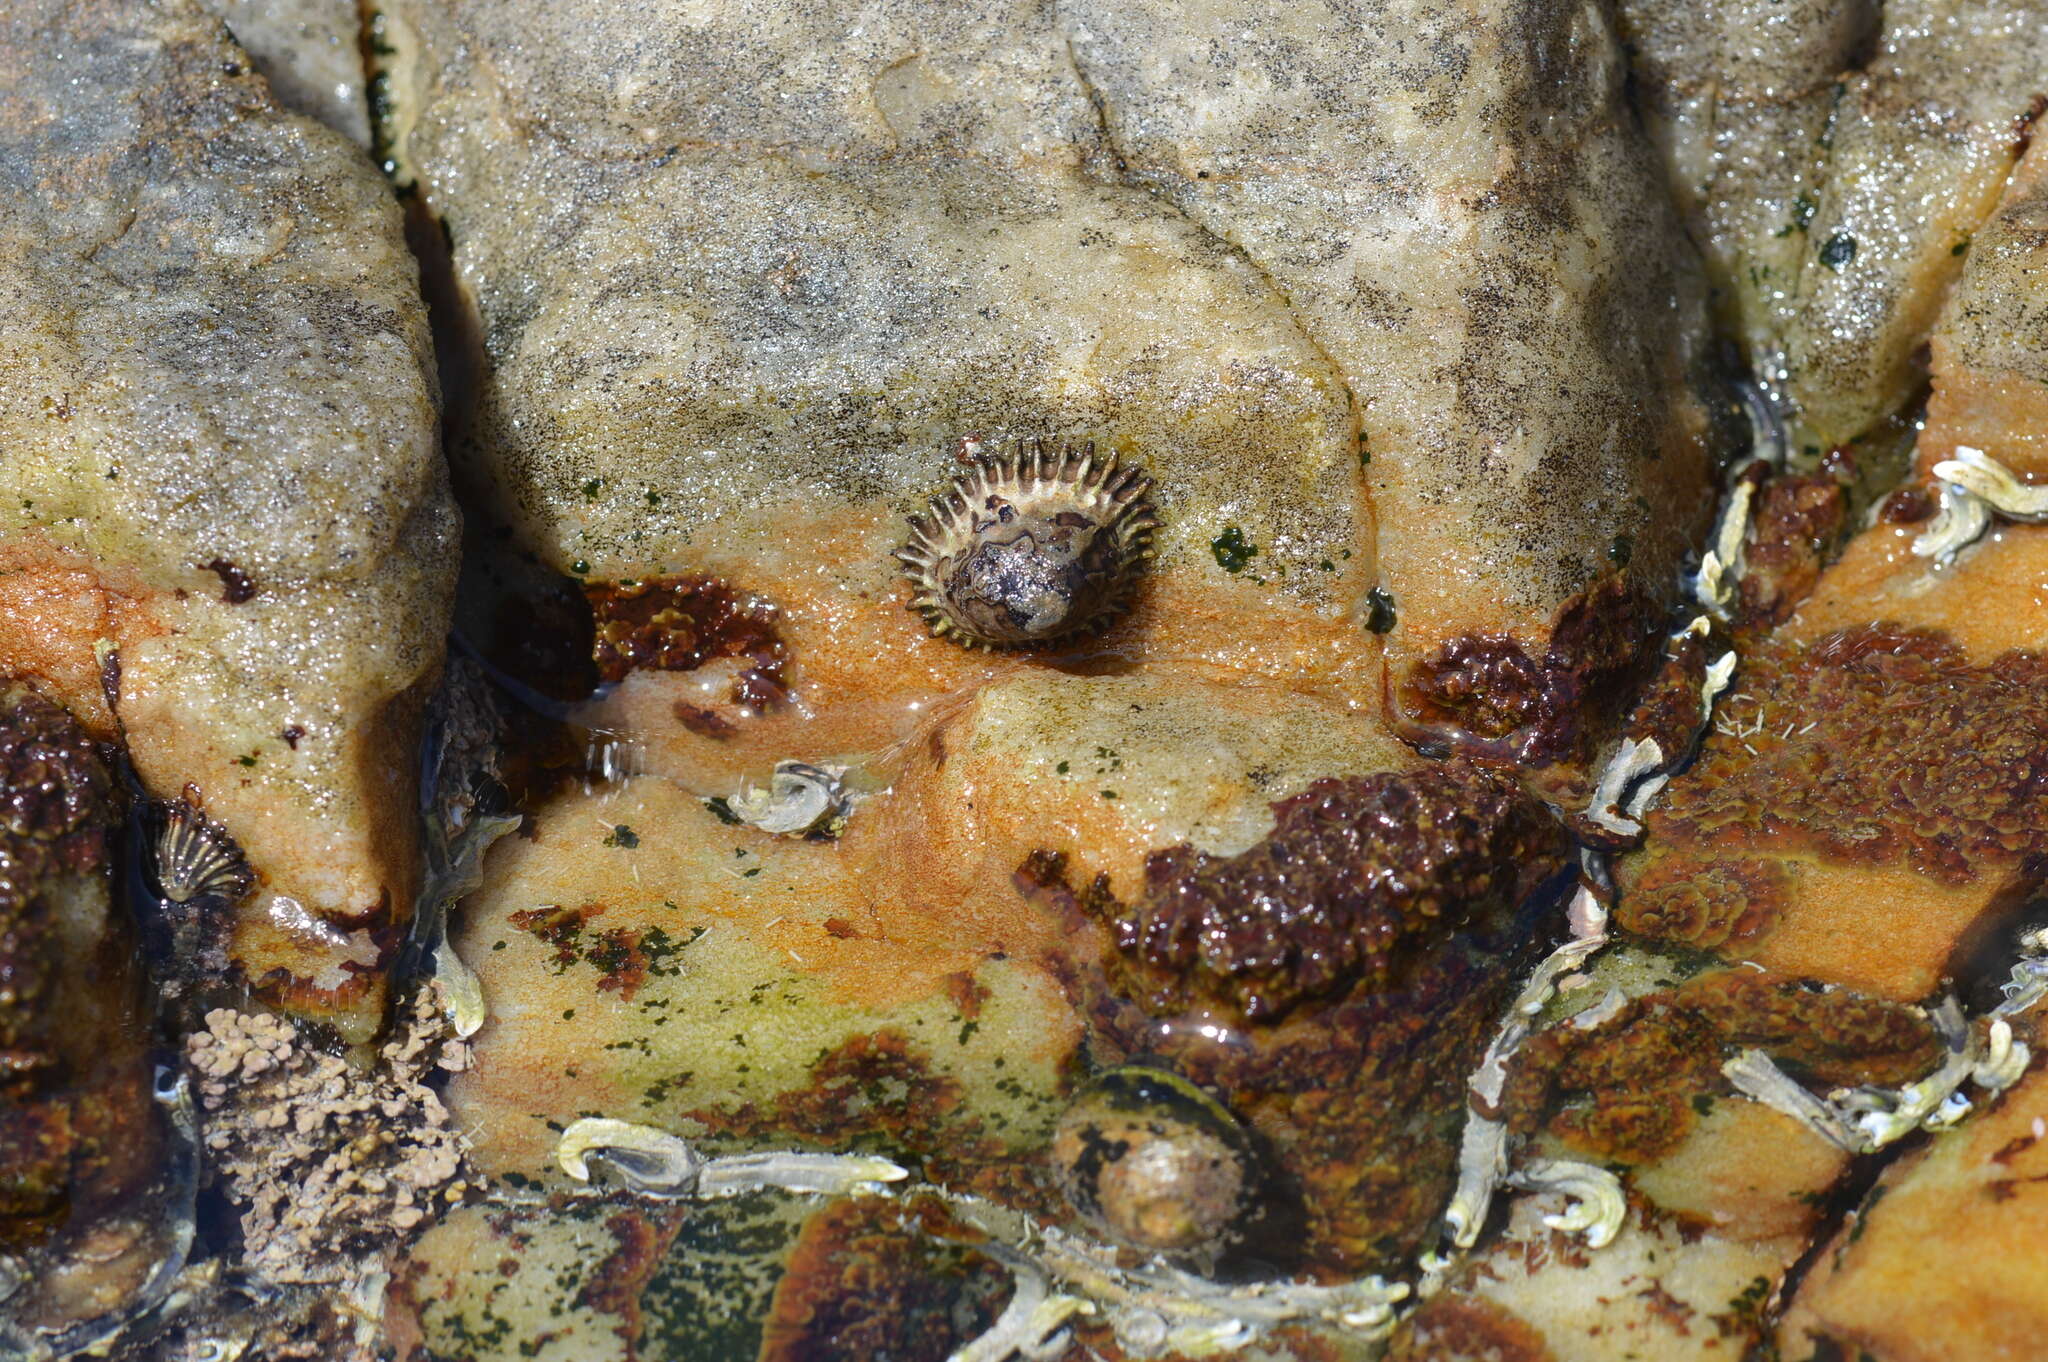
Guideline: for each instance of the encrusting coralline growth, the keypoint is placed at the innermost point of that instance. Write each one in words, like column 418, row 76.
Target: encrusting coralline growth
column 333, row 1163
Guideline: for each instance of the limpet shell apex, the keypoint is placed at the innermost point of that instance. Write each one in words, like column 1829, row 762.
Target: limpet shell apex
column 1041, row 543
column 1152, row 1161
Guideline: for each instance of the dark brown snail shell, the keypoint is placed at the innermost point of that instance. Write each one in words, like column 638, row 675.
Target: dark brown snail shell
column 1153, row 1162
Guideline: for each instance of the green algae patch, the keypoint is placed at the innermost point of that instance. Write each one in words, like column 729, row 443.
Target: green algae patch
column 725, row 985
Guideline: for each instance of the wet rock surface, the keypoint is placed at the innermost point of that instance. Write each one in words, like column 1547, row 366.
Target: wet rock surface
column 228, row 540
column 1373, row 871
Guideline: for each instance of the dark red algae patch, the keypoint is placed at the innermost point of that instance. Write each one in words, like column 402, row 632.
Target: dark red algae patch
column 76, row 1120
column 1873, row 746
column 615, row 1286
column 1795, row 523
column 677, row 624
column 876, row 1279
column 1489, row 689
column 879, row 1091
column 624, row 957
column 1631, row 1089
column 1358, row 874
column 1363, row 952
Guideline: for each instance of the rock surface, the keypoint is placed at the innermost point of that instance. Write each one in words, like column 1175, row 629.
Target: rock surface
column 738, row 333
column 228, row 538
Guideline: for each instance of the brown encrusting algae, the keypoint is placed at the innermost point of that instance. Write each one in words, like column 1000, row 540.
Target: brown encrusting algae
column 1117, row 682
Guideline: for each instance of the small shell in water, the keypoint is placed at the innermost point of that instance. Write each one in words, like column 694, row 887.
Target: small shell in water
column 196, row 858
column 1152, row 1161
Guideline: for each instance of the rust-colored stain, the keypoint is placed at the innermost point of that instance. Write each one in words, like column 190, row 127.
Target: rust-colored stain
column 641, row 1240
column 1625, row 1090
column 1488, row 687
column 881, row 1088
column 1356, row 1101
column 1459, row 1328
column 864, row 1282
column 1872, row 746
column 1795, row 521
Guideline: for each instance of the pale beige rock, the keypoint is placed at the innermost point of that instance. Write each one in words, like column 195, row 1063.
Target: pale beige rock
column 1655, row 1294
column 311, row 53
column 735, row 313
column 1461, row 213
column 1921, row 143
column 1990, row 349
column 217, row 384
column 1738, row 94
column 1835, row 158
column 1944, row 1260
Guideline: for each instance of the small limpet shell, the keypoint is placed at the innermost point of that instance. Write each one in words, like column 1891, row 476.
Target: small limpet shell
column 1039, row 544
column 1152, row 1161
column 195, row 856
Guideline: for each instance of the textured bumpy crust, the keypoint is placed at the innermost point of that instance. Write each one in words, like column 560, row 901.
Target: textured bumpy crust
column 1357, row 876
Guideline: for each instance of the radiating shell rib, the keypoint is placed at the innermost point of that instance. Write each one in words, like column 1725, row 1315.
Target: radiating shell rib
column 1042, row 543
column 195, row 857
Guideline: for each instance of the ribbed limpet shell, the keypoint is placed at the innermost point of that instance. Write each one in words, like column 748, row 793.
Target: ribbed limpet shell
column 195, row 857
column 1041, row 543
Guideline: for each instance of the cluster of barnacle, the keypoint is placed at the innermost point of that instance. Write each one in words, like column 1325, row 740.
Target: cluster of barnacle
column 332, row 1163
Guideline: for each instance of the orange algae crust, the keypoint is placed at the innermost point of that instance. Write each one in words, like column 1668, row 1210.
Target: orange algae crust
column 1992, row 600
column 1632, row 1089
column 854, row 671
column 1458, row 1328
column 1358, row 875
